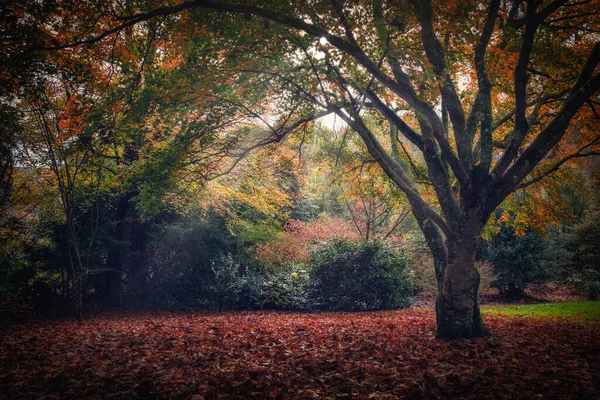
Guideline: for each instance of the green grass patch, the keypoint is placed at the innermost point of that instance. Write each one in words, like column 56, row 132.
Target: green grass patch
column 587, row 310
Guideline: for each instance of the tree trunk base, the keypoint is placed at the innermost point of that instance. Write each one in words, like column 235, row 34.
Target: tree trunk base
column 457, row 310
column 457, row 323
column 112, row 289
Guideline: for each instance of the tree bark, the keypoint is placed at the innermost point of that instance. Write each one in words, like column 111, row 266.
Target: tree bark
column 457, row 308
column 138, row 265
column 113, row 288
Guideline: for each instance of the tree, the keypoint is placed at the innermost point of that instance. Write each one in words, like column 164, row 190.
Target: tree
column 481, row 108
column 341, row 169
column 8, row 132
column 56, row 145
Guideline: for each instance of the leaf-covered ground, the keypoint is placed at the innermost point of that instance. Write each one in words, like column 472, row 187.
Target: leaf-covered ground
column 287, row 355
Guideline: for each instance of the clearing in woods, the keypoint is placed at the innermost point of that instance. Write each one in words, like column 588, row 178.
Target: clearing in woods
column 293, row 355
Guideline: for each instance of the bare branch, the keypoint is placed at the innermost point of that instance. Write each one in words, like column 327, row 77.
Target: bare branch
column 579, row 154
column 435, row 54
column 544, row 142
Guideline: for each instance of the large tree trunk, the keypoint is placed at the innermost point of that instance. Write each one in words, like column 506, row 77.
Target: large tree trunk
column 113, row 287
column 115, row 262
column 138, row 265
column 457, row 310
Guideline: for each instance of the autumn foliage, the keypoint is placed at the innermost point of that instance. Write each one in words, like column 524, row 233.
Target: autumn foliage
column 128, row 123
column 295, row 241
column 284, row 355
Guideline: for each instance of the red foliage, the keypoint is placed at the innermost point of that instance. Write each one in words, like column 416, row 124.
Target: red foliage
column 285, row 355
column 297, row 238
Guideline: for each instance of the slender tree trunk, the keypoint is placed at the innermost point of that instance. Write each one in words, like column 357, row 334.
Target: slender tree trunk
column 76, row 267
column 77, row 295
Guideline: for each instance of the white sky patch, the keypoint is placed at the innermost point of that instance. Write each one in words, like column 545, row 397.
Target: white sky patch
column 333, row 122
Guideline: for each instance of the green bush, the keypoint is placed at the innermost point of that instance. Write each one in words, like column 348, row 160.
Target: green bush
column 286, row 288
column 518, row 260
column 369, row 275
column 584, row 266
column 234, row 286
column 194, row 264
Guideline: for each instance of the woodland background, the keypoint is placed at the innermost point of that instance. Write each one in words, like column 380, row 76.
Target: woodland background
column 136, row 173
column 205, row 200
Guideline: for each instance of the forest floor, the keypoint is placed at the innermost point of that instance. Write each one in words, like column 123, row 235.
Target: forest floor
column 371, row 355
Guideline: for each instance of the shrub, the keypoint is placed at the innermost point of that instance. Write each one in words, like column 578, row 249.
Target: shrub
column 369, row 275
column 592, row 289
column 584, row 266
column 517, row 260
column 297, row 239
column 286, row 288
column 234, row 286
column 197, row 262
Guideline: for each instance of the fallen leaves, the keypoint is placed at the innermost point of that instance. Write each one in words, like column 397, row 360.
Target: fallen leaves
column 287, row 355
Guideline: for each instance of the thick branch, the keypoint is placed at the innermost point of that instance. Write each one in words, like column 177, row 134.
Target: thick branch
column 483, row 104
column 589, row 67
column 556, row 167
column 129, row 21
column 391, row 116
column 435, row 54
column 537, row 102
column 393, row 170
column 520, row 79
column 437, row 169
